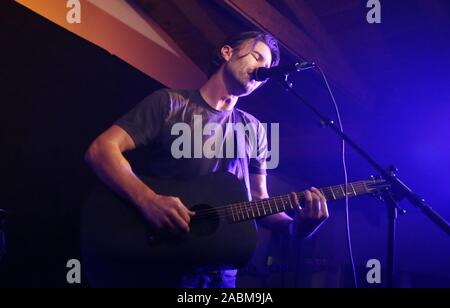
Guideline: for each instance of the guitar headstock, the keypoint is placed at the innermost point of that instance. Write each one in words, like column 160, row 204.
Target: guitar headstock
column 382, row 189
column 377, row 186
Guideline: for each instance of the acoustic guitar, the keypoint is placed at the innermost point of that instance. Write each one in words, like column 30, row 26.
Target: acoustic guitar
column 120, row 250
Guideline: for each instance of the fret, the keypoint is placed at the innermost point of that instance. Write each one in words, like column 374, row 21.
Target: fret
column 331, row 188
column 343, row 192
column 246, row 211
column 290, row 202
column 280, row 209
column 276, row 205
column 243, row 212
column 339, row 192
column 284, row 203
column 347, row 191
column 232, row 213
column 240, row 212
column 253, row 213
column 269, row 205
column 287, row 202
column 257, row 208
column 354, row 191
column 263, row 206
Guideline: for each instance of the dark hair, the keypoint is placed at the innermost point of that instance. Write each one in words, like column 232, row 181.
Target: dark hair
column 236, row 42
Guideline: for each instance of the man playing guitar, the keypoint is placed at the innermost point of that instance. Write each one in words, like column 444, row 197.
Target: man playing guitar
column 150, row 124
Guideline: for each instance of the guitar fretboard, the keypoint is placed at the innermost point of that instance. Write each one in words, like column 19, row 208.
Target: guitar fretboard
column 260, row 208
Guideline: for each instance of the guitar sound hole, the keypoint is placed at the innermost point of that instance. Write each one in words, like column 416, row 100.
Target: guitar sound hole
column 205, row 222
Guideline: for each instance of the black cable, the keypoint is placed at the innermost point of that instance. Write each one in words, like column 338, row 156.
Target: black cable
column 344, row 165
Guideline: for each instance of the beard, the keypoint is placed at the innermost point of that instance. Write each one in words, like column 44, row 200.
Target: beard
column 237, row 81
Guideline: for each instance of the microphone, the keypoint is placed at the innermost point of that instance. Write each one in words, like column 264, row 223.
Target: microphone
column 262, row 73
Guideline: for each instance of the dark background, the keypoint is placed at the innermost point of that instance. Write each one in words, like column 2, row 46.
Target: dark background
column 58, row 92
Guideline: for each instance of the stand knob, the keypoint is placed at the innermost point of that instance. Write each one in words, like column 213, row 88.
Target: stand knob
column 393, row 169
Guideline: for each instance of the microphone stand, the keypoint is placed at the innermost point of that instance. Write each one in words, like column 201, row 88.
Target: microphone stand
column 393, row 208
column 398, row 189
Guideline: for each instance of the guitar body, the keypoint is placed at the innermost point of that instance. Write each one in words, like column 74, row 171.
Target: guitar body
column 120, row 250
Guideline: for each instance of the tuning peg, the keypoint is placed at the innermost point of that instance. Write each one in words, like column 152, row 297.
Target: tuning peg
column 326, row 122
column 393, row 170
column 376, row 179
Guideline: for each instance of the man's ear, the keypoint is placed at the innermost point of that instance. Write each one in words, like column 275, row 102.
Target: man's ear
column 226, row 52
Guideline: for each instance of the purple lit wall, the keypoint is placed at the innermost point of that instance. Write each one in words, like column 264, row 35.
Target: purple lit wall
column 401, row 117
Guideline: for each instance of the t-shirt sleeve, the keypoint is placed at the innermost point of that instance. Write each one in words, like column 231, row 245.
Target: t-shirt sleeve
column 258, row 164
column 143, row 123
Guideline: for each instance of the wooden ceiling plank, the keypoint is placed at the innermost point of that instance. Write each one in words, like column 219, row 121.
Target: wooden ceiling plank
column 198, row 16
column 298, row 43
column 173, row 21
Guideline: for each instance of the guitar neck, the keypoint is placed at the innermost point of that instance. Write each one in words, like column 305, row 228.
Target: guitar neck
column 260, row 208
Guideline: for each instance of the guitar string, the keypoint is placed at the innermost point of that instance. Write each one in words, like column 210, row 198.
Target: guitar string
column 227, row 214
column 259, row 204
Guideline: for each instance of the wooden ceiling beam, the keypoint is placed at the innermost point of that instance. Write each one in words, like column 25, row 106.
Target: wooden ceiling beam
column 198, row 16
column 173, row 20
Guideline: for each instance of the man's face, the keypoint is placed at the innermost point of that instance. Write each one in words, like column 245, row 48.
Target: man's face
column 239, row 69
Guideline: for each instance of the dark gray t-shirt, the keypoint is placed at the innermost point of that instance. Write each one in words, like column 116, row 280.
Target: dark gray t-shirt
column 167, row 117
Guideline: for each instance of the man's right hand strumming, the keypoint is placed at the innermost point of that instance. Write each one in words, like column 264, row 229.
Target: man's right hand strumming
column 167, row 213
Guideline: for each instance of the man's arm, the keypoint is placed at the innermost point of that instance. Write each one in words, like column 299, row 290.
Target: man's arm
column 105, row 158
column 277, row 222
column 307, row 219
